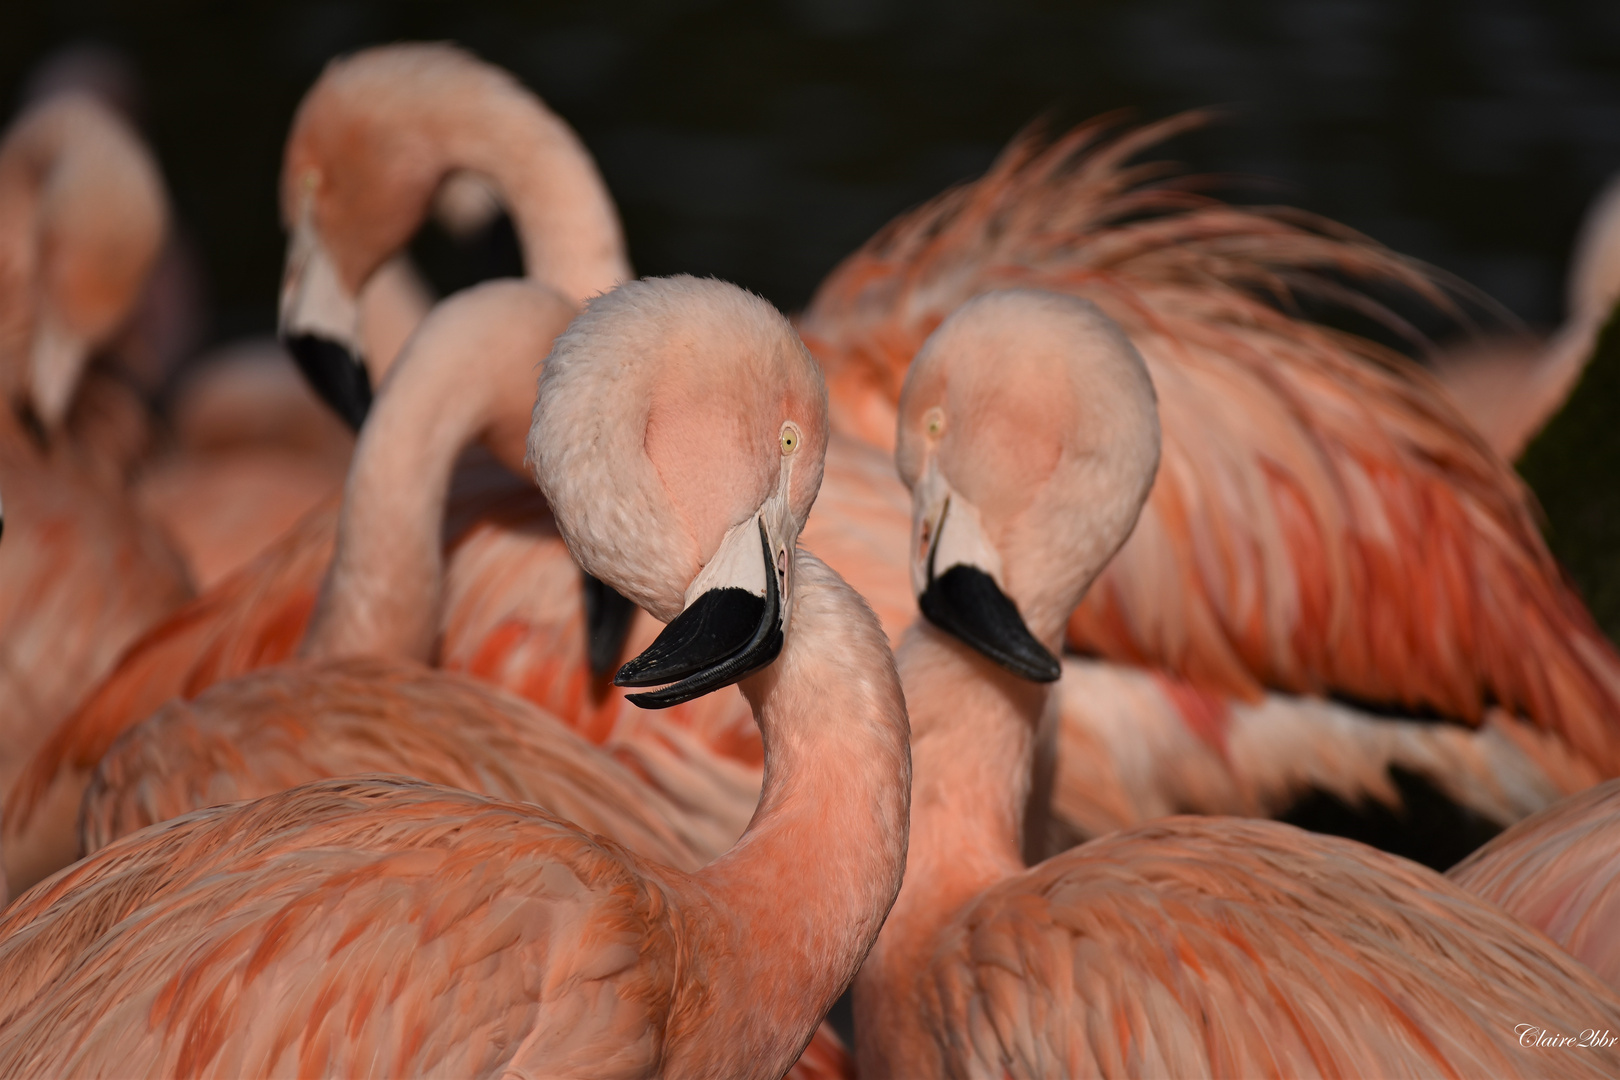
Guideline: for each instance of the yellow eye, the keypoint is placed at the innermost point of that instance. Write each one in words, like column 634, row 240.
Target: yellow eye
column 934, row 421
column 790, row 438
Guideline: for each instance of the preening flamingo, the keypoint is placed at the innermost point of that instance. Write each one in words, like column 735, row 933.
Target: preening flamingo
column 1560, row 872
column 81, row 574
column 1509, row 388
column 1324, row 523
column 513, row 941
column 1192, row 946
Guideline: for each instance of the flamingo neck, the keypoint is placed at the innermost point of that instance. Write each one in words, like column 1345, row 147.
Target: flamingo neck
column 791, row 910
column 565, row 218
column 973, row 739
column 468, row 374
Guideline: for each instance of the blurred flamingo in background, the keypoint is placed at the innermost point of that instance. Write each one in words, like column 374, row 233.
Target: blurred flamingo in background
column 246, row 449
column 702, row 974
column 1192, row 946
column 82, row 215
column 256, row 617
column 1509, row 388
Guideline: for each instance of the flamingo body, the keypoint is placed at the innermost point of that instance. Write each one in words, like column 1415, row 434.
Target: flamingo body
column 1189, row 946
column 1324, row 522
column 1559, row 872
column 1226, row 947
column 585, row 955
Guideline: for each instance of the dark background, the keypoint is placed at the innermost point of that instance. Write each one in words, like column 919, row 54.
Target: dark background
column 762, row 141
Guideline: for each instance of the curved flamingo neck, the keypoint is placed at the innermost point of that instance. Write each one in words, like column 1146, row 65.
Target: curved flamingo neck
column 565, row 218
column 468, row 374
column 973, row 741
column 793, row 907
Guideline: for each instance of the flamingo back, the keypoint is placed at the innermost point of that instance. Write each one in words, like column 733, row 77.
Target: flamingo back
column 1323, row 521
column 1199, row 946
column 1560, row 873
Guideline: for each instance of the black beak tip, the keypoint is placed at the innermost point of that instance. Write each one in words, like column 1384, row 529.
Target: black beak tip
column 335, row 373
column 722, row 636
column 965, row 602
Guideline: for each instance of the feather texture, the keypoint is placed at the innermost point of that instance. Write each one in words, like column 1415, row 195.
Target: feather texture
column 1322, row 521
column 1560, row 873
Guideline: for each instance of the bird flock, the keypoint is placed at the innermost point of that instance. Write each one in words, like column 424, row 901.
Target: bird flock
column 595, row 676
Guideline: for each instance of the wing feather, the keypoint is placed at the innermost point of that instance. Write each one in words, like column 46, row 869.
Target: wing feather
column 1226, row 947
column 1323, row 521
column 368, row 927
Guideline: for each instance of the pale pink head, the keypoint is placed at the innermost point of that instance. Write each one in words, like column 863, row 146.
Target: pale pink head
column 1029, row 436
column 374, row 141
column 679, row 434
column 93, row 214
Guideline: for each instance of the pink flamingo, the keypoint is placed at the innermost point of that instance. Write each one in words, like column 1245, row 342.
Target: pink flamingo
column 532, row 944
column 1559, row 872
column 1510, row 387
column 256, row 617
column 357, row 700
column 1324, row 523
column 1029, row 436
column 373, row 141
column 81, row 574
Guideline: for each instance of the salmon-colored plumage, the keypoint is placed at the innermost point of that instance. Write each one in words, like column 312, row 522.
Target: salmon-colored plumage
column 580, row 950
column 1185, row 947
column 81, row 574
column 1324, row 522
column 1560, row 873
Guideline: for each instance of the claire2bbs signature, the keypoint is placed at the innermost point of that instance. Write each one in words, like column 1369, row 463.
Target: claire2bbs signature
column 1531, row 1035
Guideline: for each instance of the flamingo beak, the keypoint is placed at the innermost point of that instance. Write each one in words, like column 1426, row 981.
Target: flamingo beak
column 729, row 629
column 319, row 325
column 955, row 570
column 58, row 360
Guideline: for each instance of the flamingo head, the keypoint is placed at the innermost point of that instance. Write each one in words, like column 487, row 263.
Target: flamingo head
column 678, row 434
column 1028, row 434
column 369, row 149
column 100, row 220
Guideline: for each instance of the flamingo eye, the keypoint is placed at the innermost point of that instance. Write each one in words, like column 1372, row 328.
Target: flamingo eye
column 790, row 438
column 934, row 421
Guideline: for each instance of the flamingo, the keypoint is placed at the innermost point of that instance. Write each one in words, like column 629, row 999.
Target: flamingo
column 256, row 616
column 1028, row 434
column 533, row 946
column 357, row 700
column 1559, row 872
column 373, row 141
column 81, row 217
column 1509, row 388
column 1325, row 524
